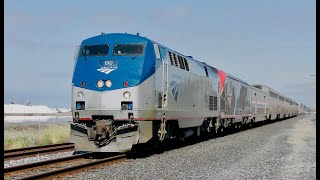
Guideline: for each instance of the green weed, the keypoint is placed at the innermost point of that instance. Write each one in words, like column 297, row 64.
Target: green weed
column 26, row 136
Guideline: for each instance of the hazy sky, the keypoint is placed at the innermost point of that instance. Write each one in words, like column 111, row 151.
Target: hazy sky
column 270, row 42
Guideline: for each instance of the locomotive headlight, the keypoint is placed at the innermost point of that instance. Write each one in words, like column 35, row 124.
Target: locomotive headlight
column 127, row 95
column 108, row 83
column 80, row 94
column 100, row 83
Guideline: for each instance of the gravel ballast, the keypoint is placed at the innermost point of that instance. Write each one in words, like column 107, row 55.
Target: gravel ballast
column 281, row 150
column 36, row 158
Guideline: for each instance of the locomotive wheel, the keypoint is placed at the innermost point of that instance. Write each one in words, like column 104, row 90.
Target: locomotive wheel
column 134, row 153
column 157, row 147
column 228, row 129
column 235, row 127
column 221, row 130
column 251, row 124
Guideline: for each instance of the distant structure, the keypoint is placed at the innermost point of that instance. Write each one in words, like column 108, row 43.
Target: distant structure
column 303, row 109
column 28, row 109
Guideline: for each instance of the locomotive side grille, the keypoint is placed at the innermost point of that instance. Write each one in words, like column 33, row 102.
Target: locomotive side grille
column 210, row 103
column 186, row 64
column 171, row 58
column 215, row 103
column 181, row 62
column 175, row 59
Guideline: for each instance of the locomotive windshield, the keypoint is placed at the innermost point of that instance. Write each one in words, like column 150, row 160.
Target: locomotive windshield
column 95, row 50
column 128, row 49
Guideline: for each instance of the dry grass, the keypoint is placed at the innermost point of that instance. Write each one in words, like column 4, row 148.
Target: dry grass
column 26, row 136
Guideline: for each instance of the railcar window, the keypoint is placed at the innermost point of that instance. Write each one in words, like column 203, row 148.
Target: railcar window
column 256, row 86
column 128, row 49
column 274, row 95
column 95, row 50
column 281, row 98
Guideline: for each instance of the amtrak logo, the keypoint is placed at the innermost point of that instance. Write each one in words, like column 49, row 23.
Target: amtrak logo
column 107, row 66
column 175, row 88
column 105, row 70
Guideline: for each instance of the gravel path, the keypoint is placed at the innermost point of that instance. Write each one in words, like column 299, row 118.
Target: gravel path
column 281, row 150
column 36, row 158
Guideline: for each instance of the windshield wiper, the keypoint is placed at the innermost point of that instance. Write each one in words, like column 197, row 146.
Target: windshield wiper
column 133, row 57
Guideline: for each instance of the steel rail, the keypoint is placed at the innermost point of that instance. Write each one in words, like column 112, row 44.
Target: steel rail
column 35, row 147
column 35, row 151
column 72, row 168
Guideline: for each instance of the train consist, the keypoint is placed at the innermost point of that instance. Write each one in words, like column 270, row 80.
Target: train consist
column 128, row 90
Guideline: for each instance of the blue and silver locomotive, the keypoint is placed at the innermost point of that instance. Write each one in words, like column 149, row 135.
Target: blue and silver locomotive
column 128, row 90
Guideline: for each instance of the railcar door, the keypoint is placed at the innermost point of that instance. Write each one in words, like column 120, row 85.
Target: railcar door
column 161, row 77
column 254, row 102
column 165, row 83
column 223, row 100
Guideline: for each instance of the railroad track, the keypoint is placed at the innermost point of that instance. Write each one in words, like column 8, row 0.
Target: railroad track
column 58, row 167
column 23, row 152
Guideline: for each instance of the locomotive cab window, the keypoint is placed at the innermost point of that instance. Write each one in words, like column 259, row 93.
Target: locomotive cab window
column 95, row 50
column 128, row 49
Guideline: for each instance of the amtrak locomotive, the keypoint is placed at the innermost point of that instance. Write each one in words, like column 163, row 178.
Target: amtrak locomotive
column 128, row 90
